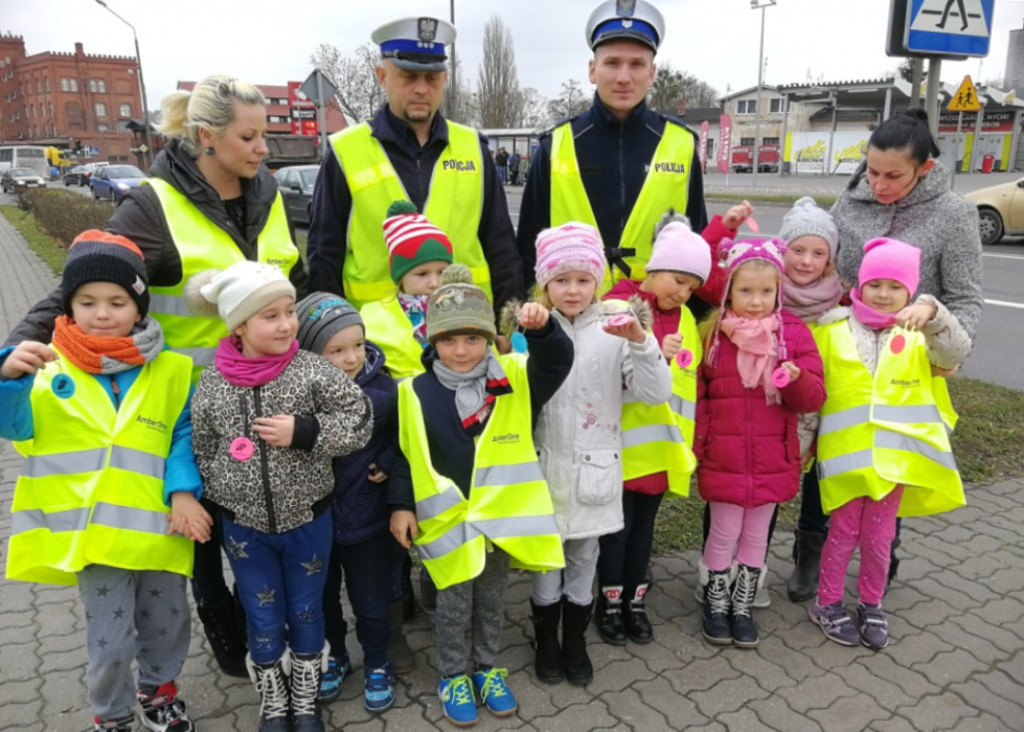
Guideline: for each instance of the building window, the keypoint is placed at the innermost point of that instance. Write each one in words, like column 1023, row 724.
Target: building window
column 102, row 128
column 64, row 85
column 103, row 86
column 746, row 106
column 769, row 141
column 92, row 85
column 97, row 86
column 101, row 109
column 46, row 84
column 776, row 106
column 74, row 84
column 126, row 110
column 746, row 141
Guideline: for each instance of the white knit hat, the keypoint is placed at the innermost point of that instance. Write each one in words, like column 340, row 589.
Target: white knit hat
column 238, row 292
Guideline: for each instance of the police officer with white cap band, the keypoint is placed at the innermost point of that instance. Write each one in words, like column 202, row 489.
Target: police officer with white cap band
column 619, row 165
column 408, row 150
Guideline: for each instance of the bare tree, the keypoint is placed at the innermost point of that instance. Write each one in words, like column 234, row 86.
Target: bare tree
column 498, row 94
column 570, row 102
column 359, row 93
column 459, row 104
column 671, row 85
column 535, row 109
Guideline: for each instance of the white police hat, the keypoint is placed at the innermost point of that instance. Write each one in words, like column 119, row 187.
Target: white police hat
column 416, row 44
column 635, row 20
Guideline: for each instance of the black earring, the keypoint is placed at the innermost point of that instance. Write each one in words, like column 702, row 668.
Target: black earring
column 208, row 151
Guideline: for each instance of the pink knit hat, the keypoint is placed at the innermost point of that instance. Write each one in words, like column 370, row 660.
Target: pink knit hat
column 891, row 259
column 571, row 247
column 678, row 249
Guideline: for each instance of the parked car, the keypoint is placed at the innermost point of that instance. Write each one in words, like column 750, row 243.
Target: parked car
column 1000, row 210
column 111, row 181
column 79, row 175
column 296, row 185
column 14, row 179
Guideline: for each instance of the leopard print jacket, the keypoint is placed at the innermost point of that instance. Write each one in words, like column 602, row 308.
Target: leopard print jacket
column 274, row 489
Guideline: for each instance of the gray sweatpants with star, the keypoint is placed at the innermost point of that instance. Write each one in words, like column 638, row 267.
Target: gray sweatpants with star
column 477, row 606
column 132, row 615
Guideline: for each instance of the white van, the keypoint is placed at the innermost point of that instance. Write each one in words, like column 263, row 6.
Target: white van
column 25, row 156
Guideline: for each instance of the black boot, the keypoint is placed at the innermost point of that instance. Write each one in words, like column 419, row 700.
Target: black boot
column 638, row 627
column 226, row 636
column 408, row 598
column 399, row 653
column 894, row 562
column 803, row 583
column 271, row 681
column 306, row 671
column 428, row 591
column 715, row 613
column 744, row 632
column 579, row 671
column 548, row 659
column 609, row 616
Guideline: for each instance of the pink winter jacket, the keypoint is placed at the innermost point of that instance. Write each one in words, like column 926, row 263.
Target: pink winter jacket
column 748, row 450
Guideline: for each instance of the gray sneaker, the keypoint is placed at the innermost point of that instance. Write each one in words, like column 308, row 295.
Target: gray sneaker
column 873, row 627
column 835, row 622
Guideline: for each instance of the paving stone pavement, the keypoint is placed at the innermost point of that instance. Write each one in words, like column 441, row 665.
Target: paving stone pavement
column 955, row 662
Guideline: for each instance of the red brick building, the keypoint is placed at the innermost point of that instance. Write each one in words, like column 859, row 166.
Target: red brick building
column 54, row 98
column 279, row 109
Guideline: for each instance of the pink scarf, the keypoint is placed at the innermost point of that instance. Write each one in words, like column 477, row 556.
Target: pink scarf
column 244, row 371
column 868, row 315
column 808, row 302
column 758, row 348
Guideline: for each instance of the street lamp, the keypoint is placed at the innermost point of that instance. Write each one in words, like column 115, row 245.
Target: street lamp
column 142, row 87
column 754, row 5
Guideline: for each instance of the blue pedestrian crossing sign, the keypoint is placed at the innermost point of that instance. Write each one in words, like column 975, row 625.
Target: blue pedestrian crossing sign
column 949, row 27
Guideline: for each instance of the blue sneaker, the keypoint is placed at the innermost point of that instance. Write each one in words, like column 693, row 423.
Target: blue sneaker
column 490, row 686
column 334, row 677
column 457, row 701
column 378, row 691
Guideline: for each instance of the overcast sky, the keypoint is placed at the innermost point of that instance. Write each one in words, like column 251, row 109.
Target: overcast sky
column 270, row 43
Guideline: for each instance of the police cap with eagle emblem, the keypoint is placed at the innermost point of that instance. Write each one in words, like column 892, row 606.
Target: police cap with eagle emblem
column 634, row 20
column 415, row 44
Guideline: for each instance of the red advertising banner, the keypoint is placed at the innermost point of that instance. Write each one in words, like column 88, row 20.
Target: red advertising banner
column 702, row 150
column 724, row 142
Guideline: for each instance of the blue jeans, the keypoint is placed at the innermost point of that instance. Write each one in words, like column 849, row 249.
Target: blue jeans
column 281, row 585
column 368, row 569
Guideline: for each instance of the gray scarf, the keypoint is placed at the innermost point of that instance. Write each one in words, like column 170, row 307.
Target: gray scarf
column 471, row 387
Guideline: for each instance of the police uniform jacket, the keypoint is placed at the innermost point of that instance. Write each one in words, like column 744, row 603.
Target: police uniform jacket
column 613, row 158
column 140, row 218
column 414, row 165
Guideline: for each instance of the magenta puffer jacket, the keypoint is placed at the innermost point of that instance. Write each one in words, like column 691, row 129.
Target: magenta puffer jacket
column 748, row 450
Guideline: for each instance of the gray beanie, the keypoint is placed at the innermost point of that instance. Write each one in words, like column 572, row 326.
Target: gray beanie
column 459, row 307
column 321, row 315
column 806, row 219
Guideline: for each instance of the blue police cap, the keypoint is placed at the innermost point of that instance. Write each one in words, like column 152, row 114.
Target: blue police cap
column 635, row 20
column 416, row 44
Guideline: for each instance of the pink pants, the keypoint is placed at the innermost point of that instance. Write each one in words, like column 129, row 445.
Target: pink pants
column 871, row 525
column 737, row 533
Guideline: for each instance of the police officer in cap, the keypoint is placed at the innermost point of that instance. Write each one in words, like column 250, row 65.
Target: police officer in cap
column 620, row 165
column 408, row 150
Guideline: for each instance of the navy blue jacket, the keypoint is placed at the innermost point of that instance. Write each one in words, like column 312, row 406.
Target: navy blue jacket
column 360, row 507
column 614, row 158
column 452, row 450
column 414, row 164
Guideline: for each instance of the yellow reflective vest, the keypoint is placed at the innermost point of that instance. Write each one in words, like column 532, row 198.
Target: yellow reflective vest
column 91, row 488
column 389, row 327
column 508, row 502
column 657, row 438
column 454, row 205
column 203, row 245
column 667, row 186
column 887, row 429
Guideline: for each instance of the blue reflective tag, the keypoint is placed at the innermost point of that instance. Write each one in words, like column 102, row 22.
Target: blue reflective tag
column 519, row 342
column 63, row 386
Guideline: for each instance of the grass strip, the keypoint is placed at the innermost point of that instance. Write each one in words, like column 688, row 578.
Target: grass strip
column 48, row 249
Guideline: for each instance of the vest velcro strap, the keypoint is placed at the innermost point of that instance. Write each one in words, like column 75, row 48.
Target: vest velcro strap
column 371, row 176
column 651, row 433
column 126, row 517
column 170, row 305
column 845, row 463
column 137, row 461
column 683, row 407
column 74, row 519
column 912, row 414
column 502, row 475
column 494, row 529
column 844, row 419
column 65, row 463
column 199, row 356
column 895, row 441
column 435, row 505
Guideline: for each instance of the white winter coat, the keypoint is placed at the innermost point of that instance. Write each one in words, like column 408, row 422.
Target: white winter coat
column 578, row 433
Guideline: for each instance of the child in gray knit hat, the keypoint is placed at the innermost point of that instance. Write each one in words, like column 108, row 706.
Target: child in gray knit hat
column 811, row 284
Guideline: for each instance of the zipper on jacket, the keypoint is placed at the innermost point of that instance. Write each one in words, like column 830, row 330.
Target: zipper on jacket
column 268, row 495
column 116, row 390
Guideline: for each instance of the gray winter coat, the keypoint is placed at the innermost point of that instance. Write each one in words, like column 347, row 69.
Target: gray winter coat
column 939, row 222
